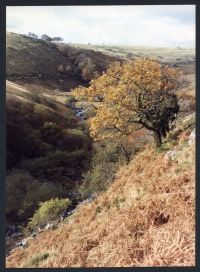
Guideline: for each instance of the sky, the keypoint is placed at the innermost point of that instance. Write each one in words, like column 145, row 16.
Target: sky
column 142, row 25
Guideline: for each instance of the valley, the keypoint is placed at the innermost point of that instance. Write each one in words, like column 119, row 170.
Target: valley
column 127, row 203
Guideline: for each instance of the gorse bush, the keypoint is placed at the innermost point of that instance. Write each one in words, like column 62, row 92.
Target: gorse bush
column 48, row 211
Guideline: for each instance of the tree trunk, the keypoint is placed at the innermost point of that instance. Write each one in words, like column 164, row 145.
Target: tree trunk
column 157, row 138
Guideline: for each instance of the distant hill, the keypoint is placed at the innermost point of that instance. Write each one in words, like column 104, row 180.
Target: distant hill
column 183, row 58
column 62, row 67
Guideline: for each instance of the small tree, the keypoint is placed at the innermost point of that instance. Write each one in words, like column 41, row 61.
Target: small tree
column 57, row 39
column 134, row 95
column 32, row 35
column 46, row 37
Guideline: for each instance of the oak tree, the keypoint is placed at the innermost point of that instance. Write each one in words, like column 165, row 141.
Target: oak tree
column 132, row 95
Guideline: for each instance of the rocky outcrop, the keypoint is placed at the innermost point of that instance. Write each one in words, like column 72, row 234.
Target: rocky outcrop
column 181, row 154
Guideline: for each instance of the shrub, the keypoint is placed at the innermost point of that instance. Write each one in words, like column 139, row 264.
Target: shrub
column 105, row 163
column 24, row 193
column 97, row 179
column 51, row 132
column 58, row 166
column 74, row 139
column 48, row 211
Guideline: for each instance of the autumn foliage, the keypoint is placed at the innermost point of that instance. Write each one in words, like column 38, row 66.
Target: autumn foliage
column 133, row 95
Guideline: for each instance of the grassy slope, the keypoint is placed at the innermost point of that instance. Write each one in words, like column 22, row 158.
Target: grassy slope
column 24, row 94
column 145, row 218
column 26, row 56
column 164, row 54
column 33, row 110
column 34, row 63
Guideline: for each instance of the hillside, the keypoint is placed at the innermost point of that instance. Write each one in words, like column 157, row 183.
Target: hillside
column 145, row 218
column 50, row 149
column 129, row 204
column 45, row 65
column 48, row 67
column 183, row 58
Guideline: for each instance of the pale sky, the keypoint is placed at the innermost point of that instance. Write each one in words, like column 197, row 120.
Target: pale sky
column 145, row 25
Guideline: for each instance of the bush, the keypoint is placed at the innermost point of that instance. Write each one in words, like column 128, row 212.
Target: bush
column 97, row 179
column 105, row 163
column 24, row 194
column 58, row 166
column 48, row 211
column 51, row 132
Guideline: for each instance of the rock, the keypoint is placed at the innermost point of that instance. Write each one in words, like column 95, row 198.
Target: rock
column 49, row 226
column 192, row 137
column 63, row 215
column 170, row 156
column 39, row 229
column 34, row 234
column 23, row 243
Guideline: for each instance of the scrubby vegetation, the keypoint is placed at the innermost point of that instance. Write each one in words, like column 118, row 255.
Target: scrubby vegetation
column 47, row 151
column 48, row 211
column 104, row 164
column 145, row 218
column 107, row 158
column 24, row 193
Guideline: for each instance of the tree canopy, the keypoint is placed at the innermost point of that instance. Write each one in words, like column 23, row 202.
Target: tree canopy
column 57, row 39
column 45, row 37
column 133, row 95
column 32, row 35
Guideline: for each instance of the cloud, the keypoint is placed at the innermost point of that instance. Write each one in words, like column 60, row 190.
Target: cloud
column 171, row 25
